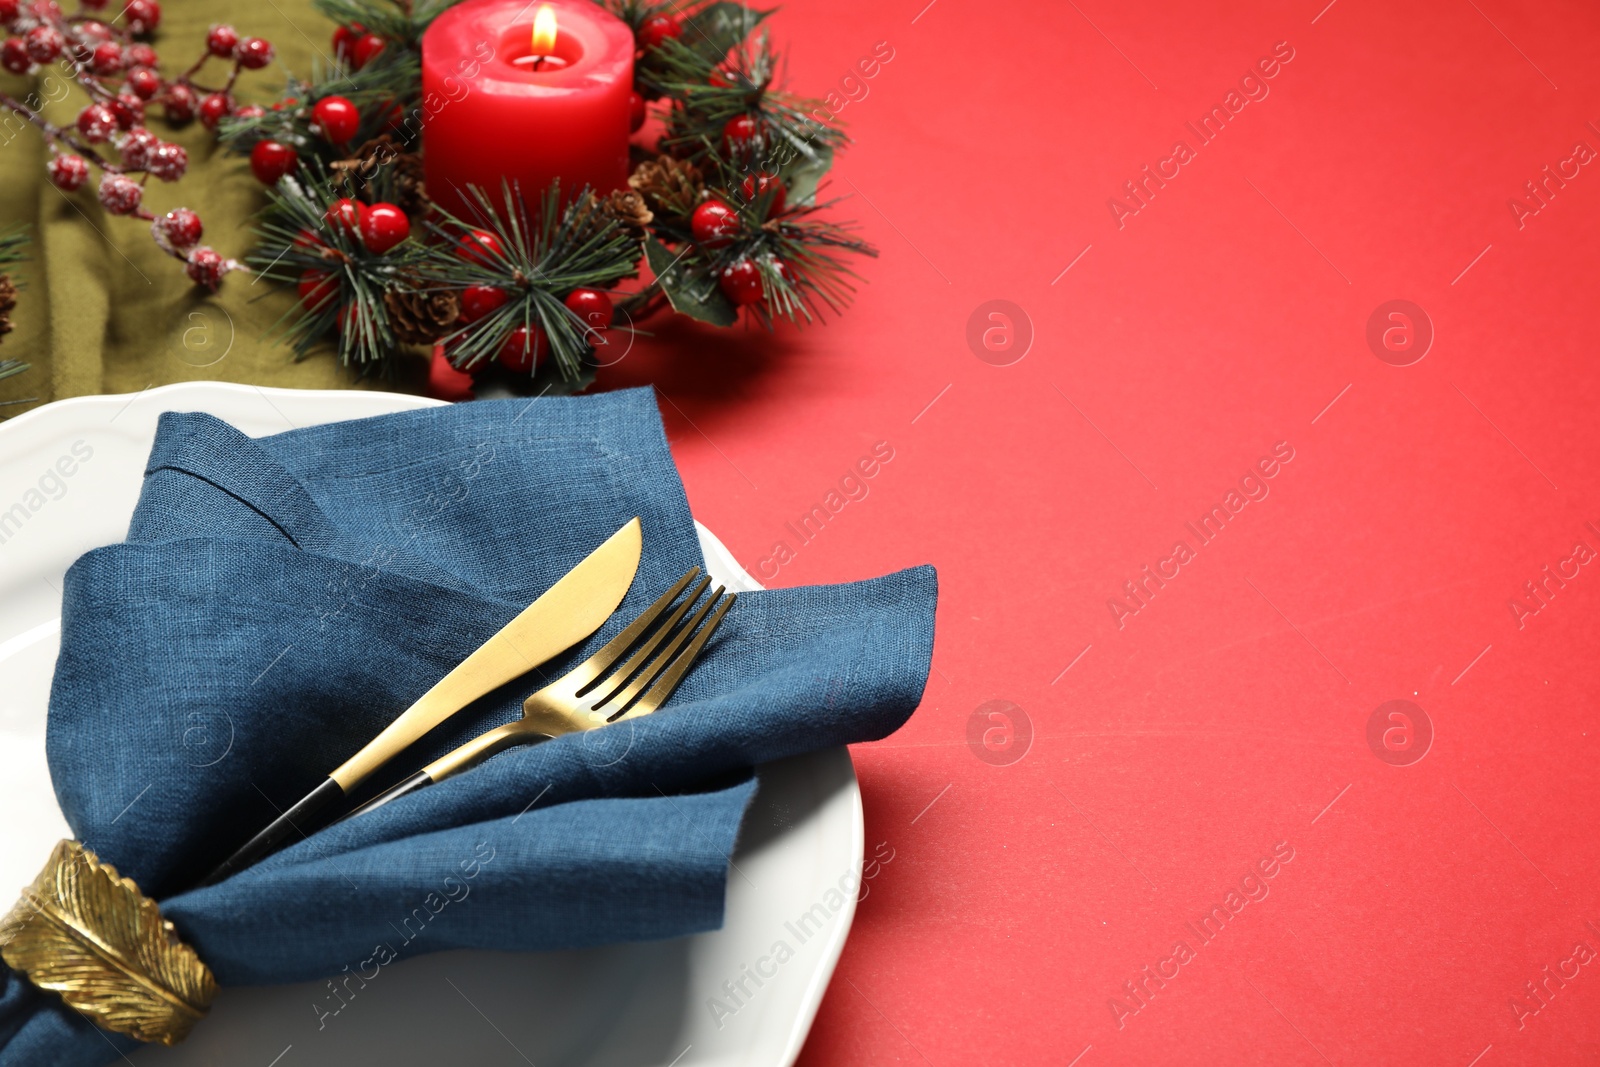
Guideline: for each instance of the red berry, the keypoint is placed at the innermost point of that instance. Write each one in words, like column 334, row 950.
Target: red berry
column 137, row 147
column 95, row 30
column 444, row 381
column 592, row 306
column 79, row 49
column 756, row 187
column 142, row 16
column 43, row 44
column 479, row 300
column 481, row 246
column 179, row 103
column 120, row 194
column 126, row 111
column 253, row 53
column 142, row 55
column 168, row 161
column 521, row 350
column 364, row 48
column 741, row 282
column 739, row 132
column 347, row 215
column 344, row 38
column 714, row 223
column 205, row 267
column 214, row 108
column 309, row 241
column 107, row 58
column 337, row 117
column 145, row 82
column 271, row 160
column 180, row 226
column 68, row 172
column 221, row 41
column 97, row 123
column 382, row 227
column 249, row 111
column 14, row 56
column 316, row 288
column 636, row 112
column 658, row 28
column 9, row 10
column 45, row 10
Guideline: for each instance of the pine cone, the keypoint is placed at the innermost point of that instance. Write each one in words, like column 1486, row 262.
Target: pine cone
column 629, row 209
column 667, row 184
column 8, row 302
column 421, row 316
column 365, row 164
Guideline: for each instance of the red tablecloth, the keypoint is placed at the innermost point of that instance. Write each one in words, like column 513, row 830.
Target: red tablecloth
column 1214, row 847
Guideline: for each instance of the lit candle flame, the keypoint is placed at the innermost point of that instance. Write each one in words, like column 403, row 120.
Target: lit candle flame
column 544, row 31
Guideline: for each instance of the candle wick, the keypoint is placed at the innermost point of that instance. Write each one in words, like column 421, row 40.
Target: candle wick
column 540, row 63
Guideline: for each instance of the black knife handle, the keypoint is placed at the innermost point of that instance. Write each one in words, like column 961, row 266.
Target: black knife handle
column 410, row 785
column 297, row 822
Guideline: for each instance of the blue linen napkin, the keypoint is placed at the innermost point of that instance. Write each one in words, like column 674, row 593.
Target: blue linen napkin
column 280, row 599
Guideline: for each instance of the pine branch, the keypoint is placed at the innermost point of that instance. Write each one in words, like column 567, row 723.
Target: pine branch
column 536, row 261
column 635, row 12
column 708, row 34
column 387, row 91
column 787, row 137
column 400, row 21
column 13, row 246
column 800, row 257
column 300, row 246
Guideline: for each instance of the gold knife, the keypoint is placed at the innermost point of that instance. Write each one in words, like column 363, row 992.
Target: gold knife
column 568, row 612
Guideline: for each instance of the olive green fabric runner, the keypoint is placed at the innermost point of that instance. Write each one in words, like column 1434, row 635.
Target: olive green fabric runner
column 103, row 310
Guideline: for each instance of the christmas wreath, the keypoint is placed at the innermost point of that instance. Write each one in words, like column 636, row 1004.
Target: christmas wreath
column 726, row 209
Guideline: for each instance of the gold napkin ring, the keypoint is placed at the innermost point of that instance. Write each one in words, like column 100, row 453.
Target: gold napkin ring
column 87, row 933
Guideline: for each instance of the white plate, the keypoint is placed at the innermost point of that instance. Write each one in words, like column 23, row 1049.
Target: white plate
column 644, row 1004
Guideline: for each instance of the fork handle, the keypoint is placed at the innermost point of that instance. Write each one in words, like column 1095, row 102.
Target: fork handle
column 480, row 748
column 454, row 762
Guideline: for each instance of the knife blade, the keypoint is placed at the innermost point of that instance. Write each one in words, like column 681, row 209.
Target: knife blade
column 565, row 614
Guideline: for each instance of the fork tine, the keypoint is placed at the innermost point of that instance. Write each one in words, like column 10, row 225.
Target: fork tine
column 619, row 676
column 672, row 657
column 658, row 693
column 595, row 667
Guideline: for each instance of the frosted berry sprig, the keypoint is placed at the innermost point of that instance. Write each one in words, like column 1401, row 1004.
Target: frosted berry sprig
column 112, row 61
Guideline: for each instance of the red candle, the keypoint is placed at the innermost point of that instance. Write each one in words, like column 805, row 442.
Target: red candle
column 502, row 101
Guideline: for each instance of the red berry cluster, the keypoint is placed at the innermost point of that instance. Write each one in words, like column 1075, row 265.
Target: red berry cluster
column 355, row 46
column 716, row 225
column 379, row 227
column 656, row 29
column 335, row 118
column 382, row 227
column 120, row 73
column 522, row 348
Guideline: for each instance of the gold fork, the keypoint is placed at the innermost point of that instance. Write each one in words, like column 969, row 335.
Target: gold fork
column 604, row 688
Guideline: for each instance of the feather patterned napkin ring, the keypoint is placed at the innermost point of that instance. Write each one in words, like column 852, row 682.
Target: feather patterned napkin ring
column 87, row 933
